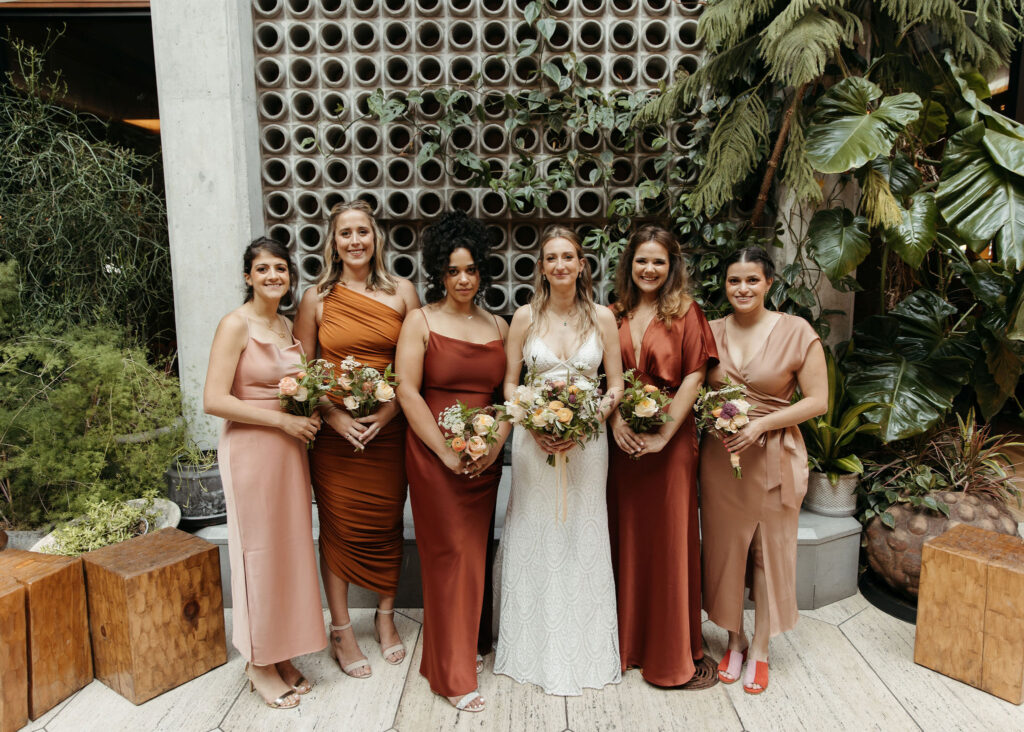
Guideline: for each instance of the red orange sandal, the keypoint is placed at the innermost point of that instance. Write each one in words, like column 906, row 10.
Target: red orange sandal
column 760, row 677
column 730, row 665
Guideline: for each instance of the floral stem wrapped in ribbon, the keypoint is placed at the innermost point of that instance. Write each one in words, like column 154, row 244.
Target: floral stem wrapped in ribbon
column 300, row 394
column 724, row 411
column 363, row 388
column 643, row 406
column 470, row 431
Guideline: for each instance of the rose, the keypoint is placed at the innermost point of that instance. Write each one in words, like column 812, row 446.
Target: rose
column 301, row 375
column 301, row 394
column 345, row 382
column 558, row 384
column 477, row 447
column 384, row 392
column 516, row 411
column 555, row 405
column 351, row 403
column 646, row 407
column 650, row 388
column 458, row 444
column 564, row 415
column 739, row 420
column 482, row 423
column 716, row 412
column 288, row 386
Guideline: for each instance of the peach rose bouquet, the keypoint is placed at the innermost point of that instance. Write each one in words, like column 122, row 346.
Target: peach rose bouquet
column 643, row 406
column 724, row 411
column 301, row 393
column 363, row 388
column 470, row 431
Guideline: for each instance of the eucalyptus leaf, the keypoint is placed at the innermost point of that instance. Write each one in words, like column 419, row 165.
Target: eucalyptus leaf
column 913, row 238
column 838, row 241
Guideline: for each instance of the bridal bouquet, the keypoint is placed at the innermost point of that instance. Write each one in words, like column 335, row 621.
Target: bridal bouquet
column 643, row 406
column 470, row 431
column 364, row 388
column 723, row 410
column 301, row 393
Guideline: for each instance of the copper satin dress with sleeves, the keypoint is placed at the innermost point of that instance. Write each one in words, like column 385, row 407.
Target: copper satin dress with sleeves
column 772, row 487
column 360, row 496
column 274, row 585
column 454, row 518
column 652, row 514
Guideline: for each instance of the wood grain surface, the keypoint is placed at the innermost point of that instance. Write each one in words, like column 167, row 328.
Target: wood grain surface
column 156, row 612
column 13, row 656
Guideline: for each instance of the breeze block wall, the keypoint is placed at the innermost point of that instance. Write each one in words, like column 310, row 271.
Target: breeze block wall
column 318, row 62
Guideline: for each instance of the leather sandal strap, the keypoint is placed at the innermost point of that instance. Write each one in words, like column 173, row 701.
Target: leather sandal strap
column 393, row 649
column 467, row 700
column 355, row 664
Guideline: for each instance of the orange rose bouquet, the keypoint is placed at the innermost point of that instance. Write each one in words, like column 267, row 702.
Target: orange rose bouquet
column 300, row 394
column 724, row 411
column 470, row 432
column 643, row 406
column 364, row 388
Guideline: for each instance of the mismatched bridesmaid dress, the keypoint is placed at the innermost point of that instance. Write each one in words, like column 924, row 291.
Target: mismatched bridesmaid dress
column 772, row 487
column 274, row 586
column 454, row 518
column 652, row 514
column 360, row 496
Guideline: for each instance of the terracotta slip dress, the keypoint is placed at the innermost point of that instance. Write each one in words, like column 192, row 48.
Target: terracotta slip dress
column 360, row 496
column 772, row 487
column 653, row 519
column 454, row 518
column 274, row 585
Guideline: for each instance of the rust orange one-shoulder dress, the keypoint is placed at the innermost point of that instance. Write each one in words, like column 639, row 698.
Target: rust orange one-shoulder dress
column 360, row 495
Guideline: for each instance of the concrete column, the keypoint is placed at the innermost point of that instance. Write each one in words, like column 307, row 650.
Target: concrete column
column 210, row 139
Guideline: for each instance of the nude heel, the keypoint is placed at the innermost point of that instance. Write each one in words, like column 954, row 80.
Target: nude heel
column 387, row 652
column 348, row 668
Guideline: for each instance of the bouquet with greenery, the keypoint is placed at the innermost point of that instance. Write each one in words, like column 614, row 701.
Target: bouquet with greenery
column 364, row 388
column 470, row 431
column 643, row 406
column 300, row 394
column 724, row 411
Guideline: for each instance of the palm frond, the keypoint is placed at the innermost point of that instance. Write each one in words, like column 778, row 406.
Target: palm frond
column 663, row 107
column 720, row 69
column 796, row 172
column 724, row 23
column 796, row 49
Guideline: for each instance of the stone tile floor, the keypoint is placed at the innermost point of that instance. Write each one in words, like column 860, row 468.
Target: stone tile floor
column 846, row 666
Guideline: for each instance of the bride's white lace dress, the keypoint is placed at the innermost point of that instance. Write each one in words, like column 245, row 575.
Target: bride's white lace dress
column 553, row 581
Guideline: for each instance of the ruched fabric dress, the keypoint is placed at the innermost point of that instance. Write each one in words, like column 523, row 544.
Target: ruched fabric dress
column 652, row 514
column 772, row 487
column 274, row 586
column 454, row 518
column 360, row 495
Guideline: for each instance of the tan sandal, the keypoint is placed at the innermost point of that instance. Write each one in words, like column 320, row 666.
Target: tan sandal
column 287, row 700
column 348, row 669
column 301, row 685
column 391, row 650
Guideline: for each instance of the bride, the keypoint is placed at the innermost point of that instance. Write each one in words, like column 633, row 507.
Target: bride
column 556, row 593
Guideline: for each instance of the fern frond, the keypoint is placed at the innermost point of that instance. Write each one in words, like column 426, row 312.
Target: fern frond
column 724, row 23
column 734, row 150
column 720, row 69
column 880, row 206
column 797, row 49
column 797, row 174
column 663, row 107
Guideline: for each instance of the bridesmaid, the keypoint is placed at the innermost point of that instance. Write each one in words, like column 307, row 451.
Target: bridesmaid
column 358, row 466
column 452, row 350
column 666, row 340
column 749, row 524
column 263, row 463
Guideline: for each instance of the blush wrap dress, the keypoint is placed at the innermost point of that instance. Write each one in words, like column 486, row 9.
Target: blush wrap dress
column 274, row 586
column 771, row 490
column 360, row 496
column 454, row 518
column 652, row 514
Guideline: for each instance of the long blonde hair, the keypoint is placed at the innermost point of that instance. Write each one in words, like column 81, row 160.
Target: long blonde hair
column 334, row 268
column 673, row 298
column 584, row 300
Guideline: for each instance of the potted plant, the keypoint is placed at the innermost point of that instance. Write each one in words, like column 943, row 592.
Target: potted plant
column 958, row 474
column 832, row 483
column 194, row 484
column 109, row 522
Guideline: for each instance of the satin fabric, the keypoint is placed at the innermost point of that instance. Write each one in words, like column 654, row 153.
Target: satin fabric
column 360, row 496
column 653, row 520
column 772, row 487
column 274, row 586
column 454, row 518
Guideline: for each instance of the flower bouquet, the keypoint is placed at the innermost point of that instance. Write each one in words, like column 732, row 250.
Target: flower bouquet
column 723, row 410
column 300, row 394
column 643, row 406
column 469, row 431
column 363, row 388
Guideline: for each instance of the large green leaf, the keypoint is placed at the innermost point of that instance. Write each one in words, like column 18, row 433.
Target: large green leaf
column 1006, row 151
column 932, row 123
column 913, row 238
column 838, row 241
column 982, row 201
column 903, row 178
column 969, row 88
column 906, row 361
column 847, row 132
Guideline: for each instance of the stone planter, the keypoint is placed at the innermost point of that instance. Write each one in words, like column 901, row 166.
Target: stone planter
column 895, row 554
column 827, row 500
column 26, row 539
column 199, row 493
column 167, row 516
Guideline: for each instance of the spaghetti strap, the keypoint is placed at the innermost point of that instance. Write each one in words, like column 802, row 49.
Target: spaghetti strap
column 423, row 312
column 497, row 327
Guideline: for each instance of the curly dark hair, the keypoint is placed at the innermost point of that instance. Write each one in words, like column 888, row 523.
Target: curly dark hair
column 454, row 230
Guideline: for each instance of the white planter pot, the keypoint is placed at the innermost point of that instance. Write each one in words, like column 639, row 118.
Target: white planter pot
column 827, row 500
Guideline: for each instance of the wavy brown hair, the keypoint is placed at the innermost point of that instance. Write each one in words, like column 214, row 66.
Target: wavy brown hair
column 334, row 268
column 673, row 298
column 584, row 300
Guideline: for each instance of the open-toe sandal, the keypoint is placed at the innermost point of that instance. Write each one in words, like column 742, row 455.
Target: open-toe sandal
column 301, row 685
column 390, row 650
column 348, row 668
column 760, row 677
column 732, row 663
column 287, row 700
column 463, row 704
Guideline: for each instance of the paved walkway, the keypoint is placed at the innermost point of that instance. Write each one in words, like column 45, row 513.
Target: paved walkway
column 847, row 666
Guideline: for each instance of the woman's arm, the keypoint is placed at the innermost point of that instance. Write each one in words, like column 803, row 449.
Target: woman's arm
column 407, row 291
column 514, row 350
column 228, row 342
column 678, row 410
column 612, row 362
column 307, row 322
column 813, row 380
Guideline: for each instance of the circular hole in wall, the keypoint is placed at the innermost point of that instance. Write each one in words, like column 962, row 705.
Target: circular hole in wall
column 462, row 201
column 521, row 295
column 396, row 36
column 496, row 298
column 311, row 266
column 281, row 234
column 402, row 236
column 279, row 204
column 300, row 38
column 268, row 7
column 274, row 138
column 303, row 105
column 591, row 35
column 268, row 38
column 399, row 204
column 525, row 236
column 429, row 203
column 492, row 204
column 403, row 265
column 399, row 171
column 334, row 72
column 558, row 203
column 271, row 105
column 495, row 236
column 338, row 172
column 332, row 37
column 428, row 35
column 301, row 72
column 431, row 171
column 335, row 138
column 310, row 237
column 368, row 172
column 308, row 204
column 332, row 199
column 275, row 172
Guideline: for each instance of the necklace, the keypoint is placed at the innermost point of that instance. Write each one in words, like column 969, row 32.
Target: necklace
column 278, row 333
column 564, row 318
column 450, row 312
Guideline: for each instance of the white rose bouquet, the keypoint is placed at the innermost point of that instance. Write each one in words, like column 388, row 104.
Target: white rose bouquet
column 643, row 406
column 470, row 432
column 364, row 388
column 724, row 410
column 301, row 393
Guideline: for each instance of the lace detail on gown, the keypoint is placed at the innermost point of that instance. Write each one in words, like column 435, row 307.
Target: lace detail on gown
column 554, row 586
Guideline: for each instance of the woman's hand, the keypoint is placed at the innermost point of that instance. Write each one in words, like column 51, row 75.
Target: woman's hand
column 550, row 444
column 453, row 462
column 375, row 422
column 346, row 425
column 301, row 428
column 478, row 466
column 653, row 442
column 628, row 441
column 747, row 436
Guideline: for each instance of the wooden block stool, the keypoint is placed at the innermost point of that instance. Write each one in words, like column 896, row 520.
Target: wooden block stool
column 13, row 656
column 59, row 660
column 970, row 611
column 155, row 612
